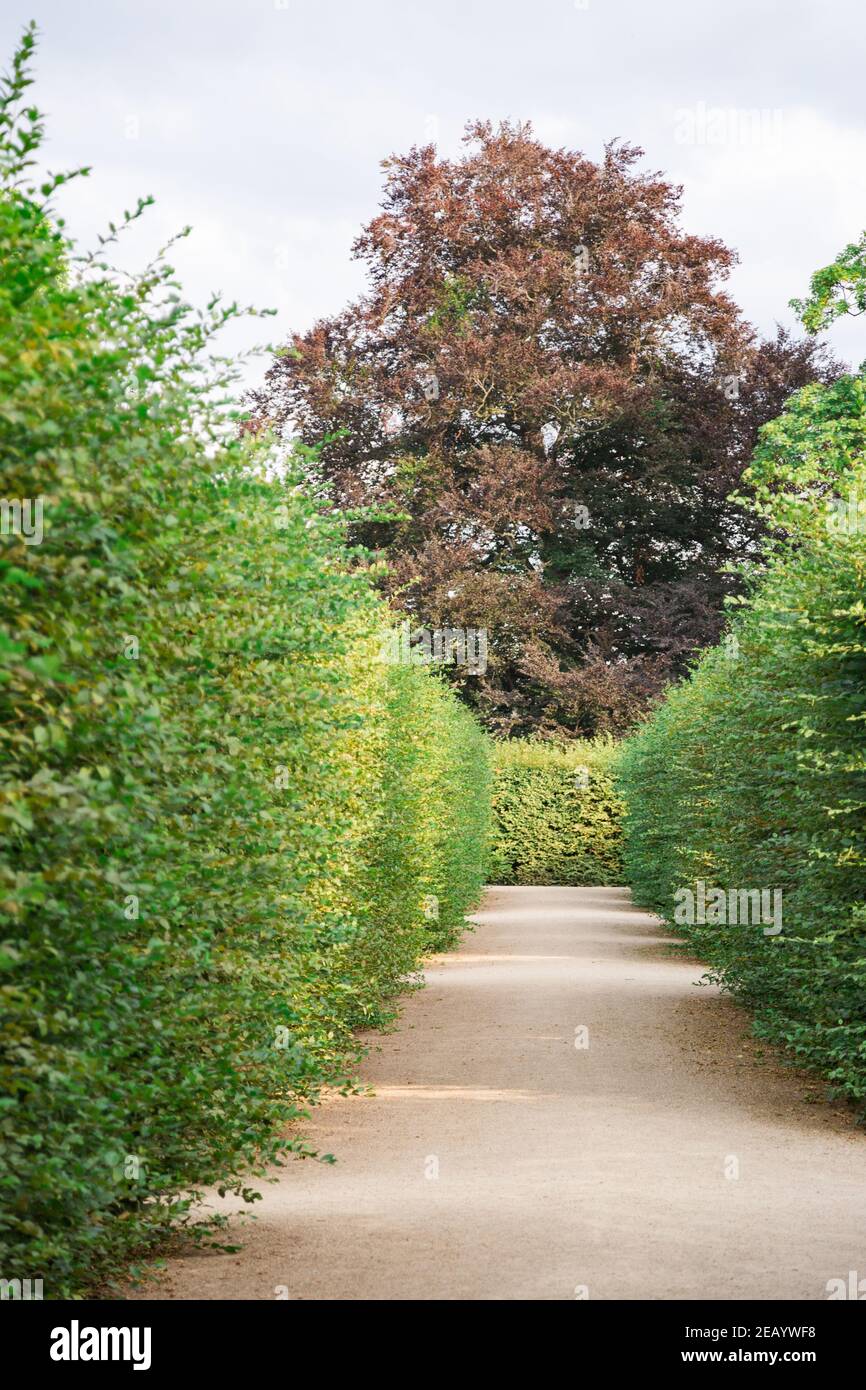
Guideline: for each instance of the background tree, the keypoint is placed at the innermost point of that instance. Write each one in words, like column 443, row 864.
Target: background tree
column 552, row 395
column 836, row 289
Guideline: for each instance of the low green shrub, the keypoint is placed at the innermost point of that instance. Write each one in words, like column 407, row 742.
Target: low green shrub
column 228, row 833
column 752, row 774
column 556, row 814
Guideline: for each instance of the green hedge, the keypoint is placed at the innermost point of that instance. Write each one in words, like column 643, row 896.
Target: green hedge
column 228, row 832
column 752, row 775
column 556, row 814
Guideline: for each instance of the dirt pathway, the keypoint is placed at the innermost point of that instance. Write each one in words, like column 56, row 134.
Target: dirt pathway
column 500, row 1160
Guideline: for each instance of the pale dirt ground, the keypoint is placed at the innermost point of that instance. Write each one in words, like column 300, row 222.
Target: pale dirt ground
column 498, row 1161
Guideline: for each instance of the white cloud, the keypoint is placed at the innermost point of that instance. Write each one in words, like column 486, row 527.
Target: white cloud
column 788, row 204
column 265, row 127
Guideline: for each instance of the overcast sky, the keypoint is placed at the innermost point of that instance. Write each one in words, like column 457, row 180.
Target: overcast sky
column 262, row 123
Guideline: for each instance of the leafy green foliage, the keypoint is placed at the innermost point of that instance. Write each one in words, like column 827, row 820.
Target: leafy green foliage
column 222, row 818
column 837, row 289
column 556, row 814
column 751, row 774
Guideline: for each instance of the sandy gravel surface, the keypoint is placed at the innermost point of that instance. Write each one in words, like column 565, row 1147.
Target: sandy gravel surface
column 670, row 1158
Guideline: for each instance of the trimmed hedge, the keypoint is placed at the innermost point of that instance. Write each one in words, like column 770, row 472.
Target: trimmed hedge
column 752, row 774
column 556, row 814
column 227, row 832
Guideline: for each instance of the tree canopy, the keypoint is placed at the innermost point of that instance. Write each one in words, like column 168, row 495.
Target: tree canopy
column 547, row 396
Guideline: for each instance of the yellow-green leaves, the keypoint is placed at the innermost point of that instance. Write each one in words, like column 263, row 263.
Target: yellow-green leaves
column 219, row 814
column 556, row 813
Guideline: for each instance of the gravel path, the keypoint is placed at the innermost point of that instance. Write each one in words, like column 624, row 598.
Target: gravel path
column 501, row 1158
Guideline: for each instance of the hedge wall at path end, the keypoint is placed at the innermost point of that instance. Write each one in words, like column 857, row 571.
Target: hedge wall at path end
column 556, row 814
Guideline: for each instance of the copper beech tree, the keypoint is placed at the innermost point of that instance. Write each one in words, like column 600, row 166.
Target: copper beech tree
column 546, row 398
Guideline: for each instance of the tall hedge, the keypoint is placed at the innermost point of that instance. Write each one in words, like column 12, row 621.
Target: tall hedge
column 752, row 774
column 556, row 813
column 228, row 832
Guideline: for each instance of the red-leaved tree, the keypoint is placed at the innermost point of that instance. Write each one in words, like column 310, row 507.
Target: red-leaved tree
column 548, row 398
